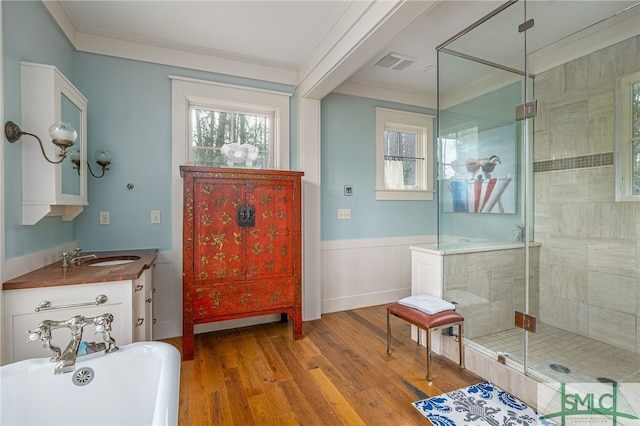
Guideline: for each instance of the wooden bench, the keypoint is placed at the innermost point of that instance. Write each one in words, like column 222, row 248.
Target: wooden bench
column 426, row 322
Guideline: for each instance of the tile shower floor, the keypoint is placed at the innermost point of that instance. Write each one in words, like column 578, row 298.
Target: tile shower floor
column 567, row 357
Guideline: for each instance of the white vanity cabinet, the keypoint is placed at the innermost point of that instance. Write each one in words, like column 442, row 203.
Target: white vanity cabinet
column 126, row 301
column 51, row 189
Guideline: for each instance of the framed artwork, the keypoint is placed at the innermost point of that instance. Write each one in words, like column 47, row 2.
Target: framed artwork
column 479, row 171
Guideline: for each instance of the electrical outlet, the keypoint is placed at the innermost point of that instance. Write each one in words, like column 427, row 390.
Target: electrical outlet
column 348, row 190
column 104, row 218
column 344, row 213
column 155, row 216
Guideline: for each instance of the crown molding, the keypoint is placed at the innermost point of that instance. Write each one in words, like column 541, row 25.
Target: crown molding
column 64, row 19
column 366, row 90
column 180, row 57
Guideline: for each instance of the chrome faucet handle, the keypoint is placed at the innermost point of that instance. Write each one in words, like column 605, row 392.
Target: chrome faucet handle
column 103, row 325
column 43, row 334
column 66, row 259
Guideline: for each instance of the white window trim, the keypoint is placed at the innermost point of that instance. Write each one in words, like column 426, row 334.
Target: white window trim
column 389, row 117
column 623, row 153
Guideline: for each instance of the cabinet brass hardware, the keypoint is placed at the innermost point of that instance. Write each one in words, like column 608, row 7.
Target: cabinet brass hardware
column 139, row 322
column 46, row 305
column 138, row 287
column 149, row 300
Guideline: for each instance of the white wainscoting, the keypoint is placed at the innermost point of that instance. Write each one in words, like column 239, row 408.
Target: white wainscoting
column 367, row 272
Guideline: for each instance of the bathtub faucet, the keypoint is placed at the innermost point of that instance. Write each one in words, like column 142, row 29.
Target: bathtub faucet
column 66, row 361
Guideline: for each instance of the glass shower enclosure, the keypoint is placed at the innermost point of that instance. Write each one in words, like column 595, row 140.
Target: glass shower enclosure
column 540, row 254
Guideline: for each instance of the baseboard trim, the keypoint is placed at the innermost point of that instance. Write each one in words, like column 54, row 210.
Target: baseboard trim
column 363, row 300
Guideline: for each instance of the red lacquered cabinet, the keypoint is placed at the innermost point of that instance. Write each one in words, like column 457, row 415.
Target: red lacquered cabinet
column 242, row 253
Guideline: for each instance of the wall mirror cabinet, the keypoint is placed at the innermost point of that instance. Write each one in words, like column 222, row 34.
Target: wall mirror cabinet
column 51, row 189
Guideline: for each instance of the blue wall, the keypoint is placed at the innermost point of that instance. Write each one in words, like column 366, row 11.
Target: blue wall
column 348, row 158
column 30, row 34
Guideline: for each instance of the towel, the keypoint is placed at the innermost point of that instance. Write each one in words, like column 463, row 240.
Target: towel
column 427, row 303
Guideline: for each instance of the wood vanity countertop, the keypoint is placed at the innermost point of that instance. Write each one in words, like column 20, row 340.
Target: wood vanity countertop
column 55, row 275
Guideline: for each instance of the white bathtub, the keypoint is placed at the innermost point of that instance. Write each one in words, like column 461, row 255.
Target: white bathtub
column 137, row 385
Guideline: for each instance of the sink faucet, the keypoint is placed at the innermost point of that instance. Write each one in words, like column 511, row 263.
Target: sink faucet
column 74, row 258
column 66, row 361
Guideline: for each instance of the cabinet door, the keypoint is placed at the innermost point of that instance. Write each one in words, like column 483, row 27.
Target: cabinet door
column 270, row 246
column 218, row 241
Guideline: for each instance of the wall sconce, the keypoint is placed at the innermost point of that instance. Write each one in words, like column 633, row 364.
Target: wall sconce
column 103, row 158
column 63, row 135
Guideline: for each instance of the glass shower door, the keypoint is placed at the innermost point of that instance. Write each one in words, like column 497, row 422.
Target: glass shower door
column 483, row 150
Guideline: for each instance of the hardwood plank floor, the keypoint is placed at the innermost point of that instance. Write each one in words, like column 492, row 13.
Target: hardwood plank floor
column 338, row 374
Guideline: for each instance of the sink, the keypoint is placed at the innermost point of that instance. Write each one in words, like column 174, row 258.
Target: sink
column 112, row 260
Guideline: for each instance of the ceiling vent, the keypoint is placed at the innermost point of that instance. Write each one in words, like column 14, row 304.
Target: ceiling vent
column 396, row 61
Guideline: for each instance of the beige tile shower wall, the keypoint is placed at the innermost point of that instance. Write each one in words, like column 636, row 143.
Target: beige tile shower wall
column 489, row 287
column 590, row 254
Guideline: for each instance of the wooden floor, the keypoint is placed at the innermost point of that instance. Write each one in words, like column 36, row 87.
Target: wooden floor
column 339, row 373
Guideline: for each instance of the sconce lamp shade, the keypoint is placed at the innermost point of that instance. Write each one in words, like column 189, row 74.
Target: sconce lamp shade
column 63, row 133
column 75, row 155
column 103, row 157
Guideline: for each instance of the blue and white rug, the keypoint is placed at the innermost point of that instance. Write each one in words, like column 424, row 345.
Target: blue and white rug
column 483, row 404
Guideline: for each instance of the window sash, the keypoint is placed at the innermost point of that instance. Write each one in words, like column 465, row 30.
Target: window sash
column 421, row 125
column 224, row 124
column 402, row 152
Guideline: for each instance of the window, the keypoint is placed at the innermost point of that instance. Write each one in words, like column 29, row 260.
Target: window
column 218, row 124
column 403, row 155
column 221, row 136
column 628, row 140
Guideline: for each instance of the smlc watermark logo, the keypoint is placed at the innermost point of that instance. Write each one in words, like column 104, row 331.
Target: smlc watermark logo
column 570, row 404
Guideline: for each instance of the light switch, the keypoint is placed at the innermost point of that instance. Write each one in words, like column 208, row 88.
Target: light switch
column 155, row 216
column 344, row 213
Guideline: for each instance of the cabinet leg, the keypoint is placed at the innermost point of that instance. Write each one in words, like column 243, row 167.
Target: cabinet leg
column 187, row 342
column 297, row 326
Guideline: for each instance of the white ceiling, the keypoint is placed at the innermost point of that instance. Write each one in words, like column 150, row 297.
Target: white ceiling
column 279, row 33
column 284, row 34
